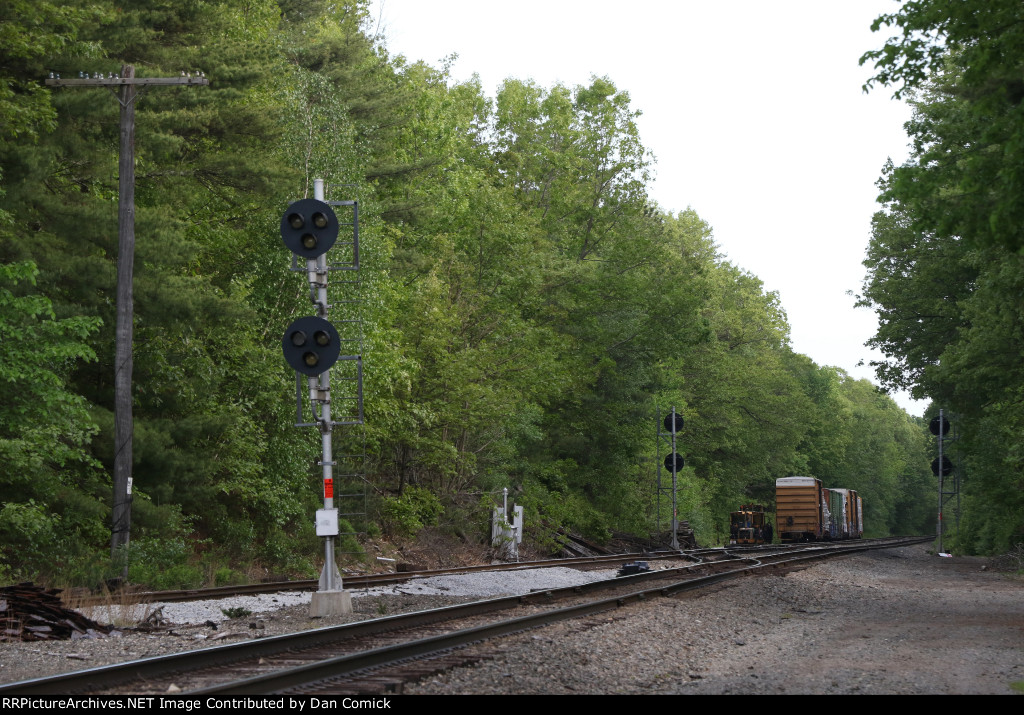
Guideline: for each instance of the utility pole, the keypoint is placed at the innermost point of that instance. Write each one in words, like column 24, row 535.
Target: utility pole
column 125, row 89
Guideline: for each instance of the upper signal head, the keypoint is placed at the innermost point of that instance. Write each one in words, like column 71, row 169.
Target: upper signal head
column 309, row 228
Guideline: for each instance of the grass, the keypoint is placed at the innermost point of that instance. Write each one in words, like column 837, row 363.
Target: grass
column 236, row 612
column 120, row 608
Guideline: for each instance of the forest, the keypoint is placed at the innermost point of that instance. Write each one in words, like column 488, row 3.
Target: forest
column 526, row 314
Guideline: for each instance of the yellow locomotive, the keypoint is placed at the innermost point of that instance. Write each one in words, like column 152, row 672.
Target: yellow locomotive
column 749, row 526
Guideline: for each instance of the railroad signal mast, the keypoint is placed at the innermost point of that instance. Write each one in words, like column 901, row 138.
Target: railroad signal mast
column 674, row 464
column 312, row 346
column 942, row 467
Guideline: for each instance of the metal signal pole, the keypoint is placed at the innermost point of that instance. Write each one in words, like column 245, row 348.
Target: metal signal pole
column 330, row 579
column 942, row 438
column 126, row 93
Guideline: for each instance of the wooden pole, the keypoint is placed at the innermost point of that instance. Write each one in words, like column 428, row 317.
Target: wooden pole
column 123, row 424
column 126, row 94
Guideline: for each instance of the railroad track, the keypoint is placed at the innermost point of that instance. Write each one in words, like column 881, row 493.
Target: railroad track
column 378, row 656
column 356, row 581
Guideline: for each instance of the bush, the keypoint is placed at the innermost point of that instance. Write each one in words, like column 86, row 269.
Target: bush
column 406, row 514
column 27, row 533
column 224, row 576
column 161, row 564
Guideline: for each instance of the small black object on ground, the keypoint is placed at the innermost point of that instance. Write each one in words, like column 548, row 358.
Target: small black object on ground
column 634, row 567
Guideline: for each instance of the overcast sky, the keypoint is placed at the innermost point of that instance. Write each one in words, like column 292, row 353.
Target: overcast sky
column 754, row 112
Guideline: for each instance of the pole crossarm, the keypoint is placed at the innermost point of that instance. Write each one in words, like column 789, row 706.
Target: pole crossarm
column 118, row 81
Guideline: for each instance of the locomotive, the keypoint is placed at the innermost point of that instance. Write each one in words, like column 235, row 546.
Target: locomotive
column 749, row 526
column 807, row 511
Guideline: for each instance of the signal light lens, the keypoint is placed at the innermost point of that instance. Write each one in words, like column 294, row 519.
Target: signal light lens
column 298, row 338
column 311, row 359
column 320, row 220
column 309, row 241
column 321, row 338
column 296, row 221
column 936, row 425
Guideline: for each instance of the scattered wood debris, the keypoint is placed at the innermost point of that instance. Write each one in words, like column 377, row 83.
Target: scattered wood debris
column 34, row 613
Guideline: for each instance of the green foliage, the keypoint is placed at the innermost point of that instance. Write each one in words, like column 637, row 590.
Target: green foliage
column 236, row 612
column 28, row 531
column 290, row 554
column 346, row 544
column 550, row 510
column 161, row 564
column 963, row 62
column 413, row 509
column 161, row 554
column 945, row 264
column 525, row 309
column 225, row 576
column 49, row 512
column 32, row 35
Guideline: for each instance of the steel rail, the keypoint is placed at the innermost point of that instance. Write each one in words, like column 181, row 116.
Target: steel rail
column 148, row 668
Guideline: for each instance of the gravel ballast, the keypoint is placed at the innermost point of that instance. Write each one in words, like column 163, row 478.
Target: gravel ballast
column 896, row 621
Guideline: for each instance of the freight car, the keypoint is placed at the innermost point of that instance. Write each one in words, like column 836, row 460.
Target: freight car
column 801, row 512
column 846, row 514
column 749, row 526
column 807, row 511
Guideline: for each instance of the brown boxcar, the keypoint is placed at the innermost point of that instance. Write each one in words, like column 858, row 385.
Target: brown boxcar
column 801, row 511
column 858, row 513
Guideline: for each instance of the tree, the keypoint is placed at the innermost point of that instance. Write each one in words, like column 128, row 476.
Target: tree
column 945, row 265
column 49, row 480
column 969, row 149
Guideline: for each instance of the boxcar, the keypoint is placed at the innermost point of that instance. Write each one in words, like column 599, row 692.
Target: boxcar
column 835, row 514
column 846, row 514
column 801, row 509
column 858, row 511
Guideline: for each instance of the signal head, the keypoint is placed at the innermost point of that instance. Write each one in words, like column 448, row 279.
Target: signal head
column 311, row 345
column 309, row 228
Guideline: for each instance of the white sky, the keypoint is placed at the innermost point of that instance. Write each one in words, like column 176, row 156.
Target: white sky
column 753, row 110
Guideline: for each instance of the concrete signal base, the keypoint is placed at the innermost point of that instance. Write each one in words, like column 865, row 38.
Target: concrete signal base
column 330, row 603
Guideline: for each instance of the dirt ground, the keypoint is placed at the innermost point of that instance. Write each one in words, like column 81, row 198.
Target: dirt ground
column 897, row 621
